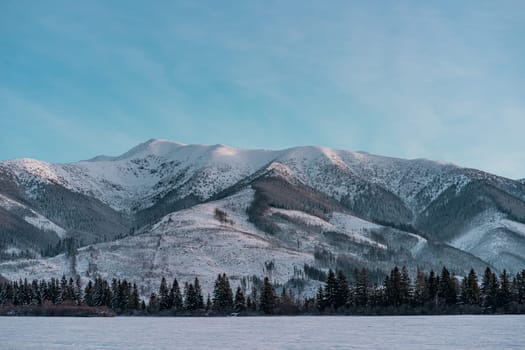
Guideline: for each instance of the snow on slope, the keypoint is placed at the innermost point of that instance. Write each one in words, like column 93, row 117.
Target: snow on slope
column 138, row 178
column 31, row 216
column 339, row 172
column 156, row 166
column 492, row 237
column 355, row 228
column 193, row 242
column 45, row 224
column 149, row 169
column 185, row 244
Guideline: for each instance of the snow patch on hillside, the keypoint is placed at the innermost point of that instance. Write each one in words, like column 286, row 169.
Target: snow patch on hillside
column 32, row 217
column 44, row 224
column 185, row 244
column 479, row 228
column 9, row 204
column 357, row 229
column 494, row 238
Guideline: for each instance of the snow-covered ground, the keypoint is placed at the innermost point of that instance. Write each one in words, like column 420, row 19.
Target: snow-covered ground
column 193, row 242
column 494, row 238
column 32, row 217
column 239, row 333
column 186, row 244
column 156, row 166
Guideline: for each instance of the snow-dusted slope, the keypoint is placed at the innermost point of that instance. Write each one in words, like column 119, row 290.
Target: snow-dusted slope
column 30, row 216
column 342, row 202
column 132, row 180
column 150, row 169
column 196, row 243
column 495, row 238
column 187, row 244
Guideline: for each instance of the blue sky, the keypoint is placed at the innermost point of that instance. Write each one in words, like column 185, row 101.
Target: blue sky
column 443, row 80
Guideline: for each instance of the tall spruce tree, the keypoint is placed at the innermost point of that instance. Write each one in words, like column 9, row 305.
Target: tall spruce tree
column 267, row 302
column 472, row 291
column 134, row 300
column 433, row 286
column 489, row 289
column 330, row 288
column 164, row 296
column 88, row 294
column 393, row 288
column 505, row 293
column 240, row 300
column 447, row 288
column 405, row 288
column 222, row 294
column 199, row 300
column 342, row 292
column 361, row 290
column 421, row 291
column 178, row 303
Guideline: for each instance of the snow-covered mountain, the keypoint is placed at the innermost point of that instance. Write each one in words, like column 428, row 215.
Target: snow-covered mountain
column 197, row 209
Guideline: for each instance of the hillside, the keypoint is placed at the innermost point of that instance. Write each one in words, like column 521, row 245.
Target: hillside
column 169, row 208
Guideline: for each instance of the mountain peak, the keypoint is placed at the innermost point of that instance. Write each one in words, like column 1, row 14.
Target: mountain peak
column 158, row 147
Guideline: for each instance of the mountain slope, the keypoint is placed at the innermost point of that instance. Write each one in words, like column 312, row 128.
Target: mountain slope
column 314, row 205
column 199, row 242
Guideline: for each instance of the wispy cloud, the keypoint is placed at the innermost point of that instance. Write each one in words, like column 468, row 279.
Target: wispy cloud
column 411, row 79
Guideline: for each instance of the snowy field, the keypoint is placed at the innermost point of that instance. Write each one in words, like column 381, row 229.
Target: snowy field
column 407, row 333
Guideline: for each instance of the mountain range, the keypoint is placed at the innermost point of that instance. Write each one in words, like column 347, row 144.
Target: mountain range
column 166, row 208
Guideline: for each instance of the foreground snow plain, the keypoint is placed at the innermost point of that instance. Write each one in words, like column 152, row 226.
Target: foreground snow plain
column 396, row 332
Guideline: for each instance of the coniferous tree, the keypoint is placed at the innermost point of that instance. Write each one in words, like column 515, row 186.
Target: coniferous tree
column 88, row 294
column 504, row 294
column 254, row 298
column 36, row 295
column 342, row 292
column 189, row 296
column 164, row 296
column 472, row 291
column 199, row 300
column 447, row 289
column 77, row 291
column 71, row 289
column 134, row 300
column 153, row 305
column 360, row 295
column 393, row 287
column 489, row 289
column 405, row 289
column 330, row 288
column 421, row 290
column 3, row 293
column 519, row 287
column 115, row 294
column 320, row 299
column 433, row 286
column 240, row 300
column 267, row 303
column 63, row 290
column 209, row 305
column 222, row 294
column 177, row 296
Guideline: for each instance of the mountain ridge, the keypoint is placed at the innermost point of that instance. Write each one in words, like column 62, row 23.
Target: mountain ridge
column 423, row 212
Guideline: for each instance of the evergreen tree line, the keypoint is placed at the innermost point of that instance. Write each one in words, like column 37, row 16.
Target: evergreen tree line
column 67, row 245
column 429, row 293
